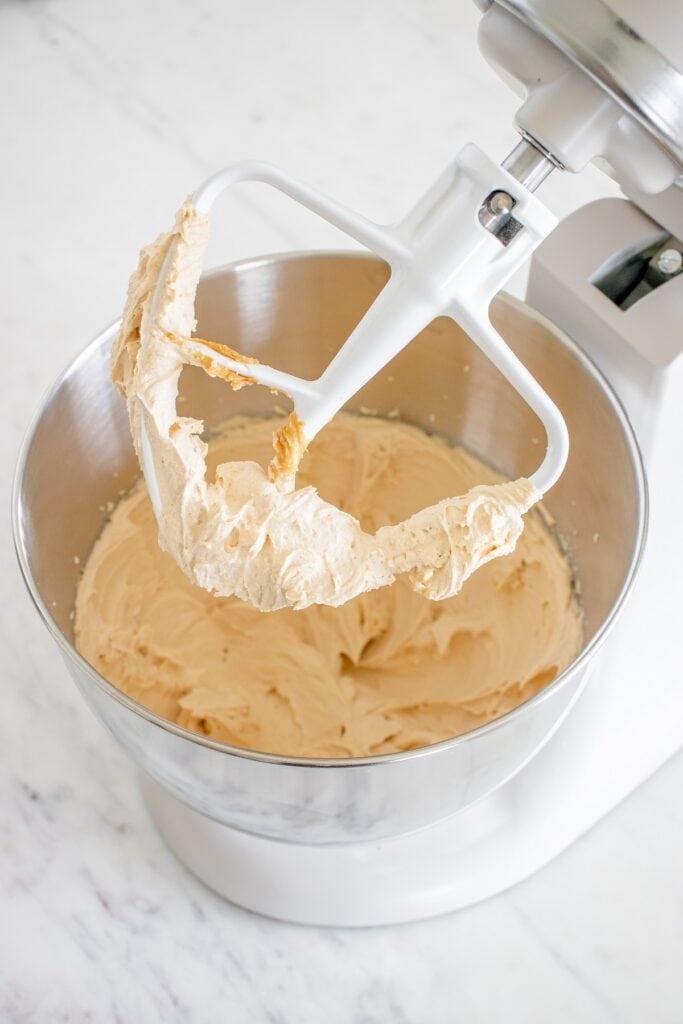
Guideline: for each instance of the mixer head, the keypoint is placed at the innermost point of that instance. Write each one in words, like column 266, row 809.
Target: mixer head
column 597, row 80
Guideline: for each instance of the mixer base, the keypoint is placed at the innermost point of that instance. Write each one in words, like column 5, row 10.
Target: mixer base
column 373, row 883
column 594, row 760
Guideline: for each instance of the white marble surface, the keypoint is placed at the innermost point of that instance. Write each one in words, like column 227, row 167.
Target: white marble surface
column 110, row 114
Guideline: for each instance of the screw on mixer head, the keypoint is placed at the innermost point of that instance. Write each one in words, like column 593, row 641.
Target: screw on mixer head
column 669, row 261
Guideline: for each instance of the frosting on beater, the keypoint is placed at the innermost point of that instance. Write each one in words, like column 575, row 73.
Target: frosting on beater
column 248, row 533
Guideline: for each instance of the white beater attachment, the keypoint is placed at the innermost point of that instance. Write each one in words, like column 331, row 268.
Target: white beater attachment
column 448, row 257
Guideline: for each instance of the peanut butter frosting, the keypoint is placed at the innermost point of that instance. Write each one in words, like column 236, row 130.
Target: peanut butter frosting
column 387, row 671
column 248, row 533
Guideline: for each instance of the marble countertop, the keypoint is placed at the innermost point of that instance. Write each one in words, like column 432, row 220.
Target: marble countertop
column 111, row 114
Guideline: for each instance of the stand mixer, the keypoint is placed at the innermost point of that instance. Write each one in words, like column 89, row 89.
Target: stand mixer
column 599, row 83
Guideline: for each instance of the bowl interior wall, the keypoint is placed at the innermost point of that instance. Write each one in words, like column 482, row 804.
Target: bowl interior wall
column 295, row 313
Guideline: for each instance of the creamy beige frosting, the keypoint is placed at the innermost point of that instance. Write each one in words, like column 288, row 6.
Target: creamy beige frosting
column 387, row 671
column 247, row 533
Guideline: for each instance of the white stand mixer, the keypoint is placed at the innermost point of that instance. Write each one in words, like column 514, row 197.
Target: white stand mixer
column 598, row 82
column 304, row 839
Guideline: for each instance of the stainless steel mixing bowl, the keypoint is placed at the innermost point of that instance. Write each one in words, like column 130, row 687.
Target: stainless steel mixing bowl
column 294, row 311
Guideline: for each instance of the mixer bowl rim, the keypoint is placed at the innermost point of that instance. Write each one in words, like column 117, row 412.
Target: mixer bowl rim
column 112, row 691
